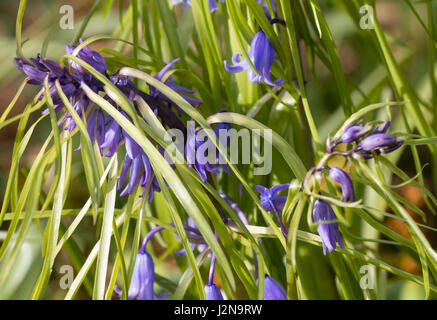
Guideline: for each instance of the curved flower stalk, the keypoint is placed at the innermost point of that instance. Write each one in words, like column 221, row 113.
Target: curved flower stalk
column 212, row 292
column 368, row 141
column 261, row 54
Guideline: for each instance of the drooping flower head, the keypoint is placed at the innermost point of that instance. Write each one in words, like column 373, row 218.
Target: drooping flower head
column 143, row 277
column 261, row 54
column 140, row 170
column 273, row 290
column 328, row 226
column 347, row 187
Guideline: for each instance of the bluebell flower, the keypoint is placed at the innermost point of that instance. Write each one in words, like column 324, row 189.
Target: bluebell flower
column 261, row 54
column 270, row 198
column 383, row 127
column 266, row 7
column 273, row 290
column 353, row 132
column 198, row 139
column 96, row 128
column 328, row 226
column 92, row 57
column 212, row 292
column 140, row 170
column 271, row 201
column 113, row 136
column 170, row 83
column 338, row 175
column 379, row 143
column 212, row 3
column 143, row 277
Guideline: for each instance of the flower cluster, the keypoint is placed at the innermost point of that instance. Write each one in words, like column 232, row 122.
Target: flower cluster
column 103, row 129
column 108, row 137
column 369, row 140
column 142, row 281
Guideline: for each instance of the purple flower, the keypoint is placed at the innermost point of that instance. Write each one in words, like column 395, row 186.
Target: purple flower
column 212, row 292
column 169, row 83
column 261, row 54
column 380, row 143
column 140, row 170
column 200, row 162
column 273, row 290
column 353, row 132
column 143, row 276
column 328, row 226
column 270, row 199
column 113, row 137
column 212, row 3
column 96, row 128
column 88, row 55
column 345, row 182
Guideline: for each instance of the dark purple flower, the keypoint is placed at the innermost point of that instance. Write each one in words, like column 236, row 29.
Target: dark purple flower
column 96, row 128
column 328, row 226
column 261, row 54
column 169, row 83
column 270, row 199
column 345, row 182
column 266, row 7
column 380, row 143
column 88, row 55
column 212, row 292
column 140, row 170
column 353, row 132
column 113, row 137
column 200, row 162
column 273, row 290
